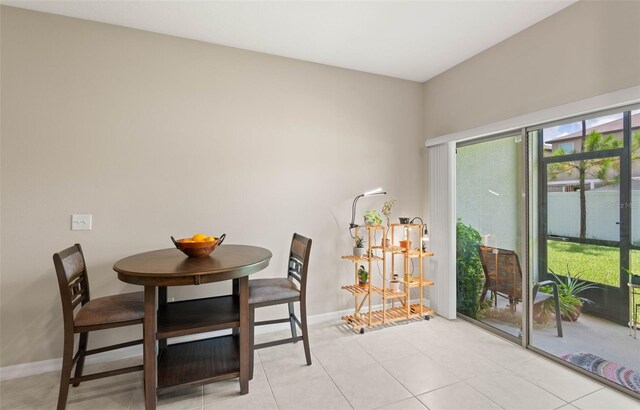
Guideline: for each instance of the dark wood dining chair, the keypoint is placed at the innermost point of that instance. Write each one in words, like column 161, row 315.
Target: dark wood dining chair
column 93, row 314
column 503, row 277
column 276, row 291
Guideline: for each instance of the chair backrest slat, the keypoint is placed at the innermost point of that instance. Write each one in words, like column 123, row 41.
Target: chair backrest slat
column 295, row 268
column 299, row 260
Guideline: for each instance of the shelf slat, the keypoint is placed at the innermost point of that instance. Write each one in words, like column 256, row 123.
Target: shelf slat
column 415, row 283
column 392, row 315
column 361, row 259
column 358, row 290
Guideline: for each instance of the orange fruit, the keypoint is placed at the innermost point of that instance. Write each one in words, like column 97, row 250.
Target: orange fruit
column 210, row 239
column 199, row 237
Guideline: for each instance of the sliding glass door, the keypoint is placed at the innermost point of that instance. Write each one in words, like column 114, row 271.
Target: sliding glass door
column 490, row 231
column 585, row 187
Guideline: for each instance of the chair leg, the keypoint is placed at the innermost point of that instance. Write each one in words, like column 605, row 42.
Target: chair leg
column 485, row 289
column 82, row 348
column 305, row 332
column 65, row 373
column 292, row 323
column 252, row 327
column 556, row 300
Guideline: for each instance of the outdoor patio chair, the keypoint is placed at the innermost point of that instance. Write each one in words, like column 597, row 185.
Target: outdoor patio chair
column 503, row 277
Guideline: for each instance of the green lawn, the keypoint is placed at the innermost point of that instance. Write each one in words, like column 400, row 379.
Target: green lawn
column 594, row 263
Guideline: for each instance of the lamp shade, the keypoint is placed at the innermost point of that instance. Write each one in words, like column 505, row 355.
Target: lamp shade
column 376, row 191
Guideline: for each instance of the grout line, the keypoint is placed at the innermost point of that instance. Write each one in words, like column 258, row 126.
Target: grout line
column 588, row 394
column 334, row 382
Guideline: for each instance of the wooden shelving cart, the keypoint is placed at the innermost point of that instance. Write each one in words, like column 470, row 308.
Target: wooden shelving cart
column 363, row 318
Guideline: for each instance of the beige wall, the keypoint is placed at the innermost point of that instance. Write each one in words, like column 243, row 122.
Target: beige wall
column 588, row 49
column 158, row 136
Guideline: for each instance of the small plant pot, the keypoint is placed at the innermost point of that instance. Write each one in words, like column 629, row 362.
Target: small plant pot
column 386, row 243
column 541, row 316
column 359, row 252
column 572, row 317
column 394, row 285
column 363, row 284
column 405, row 245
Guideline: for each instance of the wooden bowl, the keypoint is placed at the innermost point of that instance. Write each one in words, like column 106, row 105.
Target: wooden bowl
column 197, row 249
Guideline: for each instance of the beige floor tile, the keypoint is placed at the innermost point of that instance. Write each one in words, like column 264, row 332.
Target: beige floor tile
column 369, row 387
column 229, row 389
column 251, row 401
column 39, row 391
column 459, row 396
column 418, row 373
column 320, row 393
column 502, row 352
column 384, row 345
column 183, row 399
column 287, row 370
column 462, row 363
column 103, row 400
column 606, row 399
column 277, row 351
column 556, row 379
column 342, row 356
column 329, row 332
column 513, row 392
column 406, row 404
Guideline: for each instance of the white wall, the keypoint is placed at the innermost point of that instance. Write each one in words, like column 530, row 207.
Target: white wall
column 586, row 50
column 158, row 136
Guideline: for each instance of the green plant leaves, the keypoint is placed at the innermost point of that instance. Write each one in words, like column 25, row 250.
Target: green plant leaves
column 470, row 276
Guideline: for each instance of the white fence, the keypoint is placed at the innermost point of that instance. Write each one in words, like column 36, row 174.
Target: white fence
column 603, row 213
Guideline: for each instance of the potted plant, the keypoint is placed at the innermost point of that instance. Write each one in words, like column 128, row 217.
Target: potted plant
column 372, row 217
column 386, row 211
column 363, row 276
column 358, row 249
column 569, row 290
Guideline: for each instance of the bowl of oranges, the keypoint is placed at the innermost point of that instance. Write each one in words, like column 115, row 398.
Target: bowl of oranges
column 199, row 245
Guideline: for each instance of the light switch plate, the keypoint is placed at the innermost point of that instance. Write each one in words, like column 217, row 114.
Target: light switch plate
column 81, row 222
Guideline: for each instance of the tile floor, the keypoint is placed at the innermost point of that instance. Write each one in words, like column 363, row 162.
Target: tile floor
column 436, row 364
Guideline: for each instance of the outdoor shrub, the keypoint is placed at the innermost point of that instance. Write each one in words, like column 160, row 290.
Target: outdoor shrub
column 470, row 277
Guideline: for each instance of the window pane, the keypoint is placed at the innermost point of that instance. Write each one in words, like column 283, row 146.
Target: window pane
column 489, row 195
column 595, row 134
column 635, row 262
column 592, row 263
column 594, row 215
column 635, row 177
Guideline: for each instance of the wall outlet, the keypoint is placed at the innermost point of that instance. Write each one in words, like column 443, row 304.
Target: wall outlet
column 81, row 222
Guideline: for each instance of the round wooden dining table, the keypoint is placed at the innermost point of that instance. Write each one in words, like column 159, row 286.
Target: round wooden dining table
column 194, row 363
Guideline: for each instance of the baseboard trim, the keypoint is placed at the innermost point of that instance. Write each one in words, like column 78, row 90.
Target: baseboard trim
column 54, row 365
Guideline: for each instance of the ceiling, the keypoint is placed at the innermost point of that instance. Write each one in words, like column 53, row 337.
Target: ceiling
column 410, row 40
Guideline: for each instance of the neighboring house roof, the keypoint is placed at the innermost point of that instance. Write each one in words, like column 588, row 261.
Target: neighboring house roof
column 606, row 128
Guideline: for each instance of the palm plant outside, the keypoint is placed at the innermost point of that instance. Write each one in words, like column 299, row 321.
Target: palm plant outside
column 600, row 168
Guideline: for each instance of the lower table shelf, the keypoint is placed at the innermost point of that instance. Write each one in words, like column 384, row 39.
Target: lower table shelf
column 198, row 362
column 379, row 317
